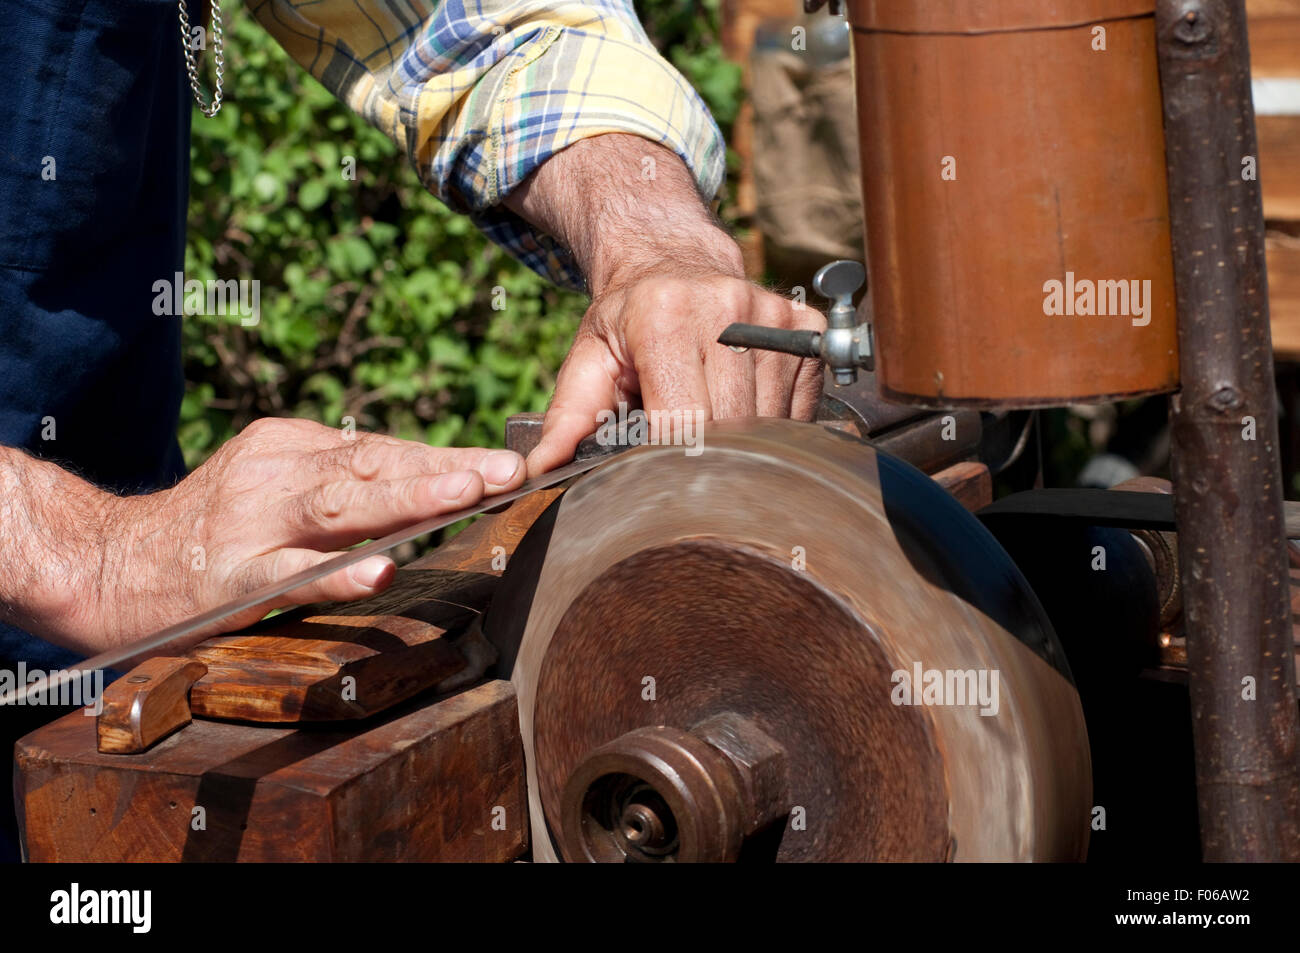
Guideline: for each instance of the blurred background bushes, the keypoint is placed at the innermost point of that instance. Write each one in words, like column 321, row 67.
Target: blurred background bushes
column 376, row 300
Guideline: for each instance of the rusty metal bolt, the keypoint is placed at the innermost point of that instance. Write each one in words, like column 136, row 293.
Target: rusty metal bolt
column 1193, row 27
column 661, row 794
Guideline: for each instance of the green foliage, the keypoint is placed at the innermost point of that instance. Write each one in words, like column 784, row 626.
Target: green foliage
column 376, row 300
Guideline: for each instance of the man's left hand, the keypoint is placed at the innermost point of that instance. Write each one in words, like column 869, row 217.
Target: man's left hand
column 651, row 340
column 665, row 282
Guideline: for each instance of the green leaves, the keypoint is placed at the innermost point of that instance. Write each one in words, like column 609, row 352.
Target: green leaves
column 312, row 195
column 350, row 257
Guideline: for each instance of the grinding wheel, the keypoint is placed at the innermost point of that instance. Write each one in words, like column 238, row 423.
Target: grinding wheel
column 707, row 650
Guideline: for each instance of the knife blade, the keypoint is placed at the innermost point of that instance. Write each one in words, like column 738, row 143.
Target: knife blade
column 189, row 632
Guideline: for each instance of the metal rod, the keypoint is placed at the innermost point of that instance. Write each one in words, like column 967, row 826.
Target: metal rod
column 1227, row 486
column 800, row 343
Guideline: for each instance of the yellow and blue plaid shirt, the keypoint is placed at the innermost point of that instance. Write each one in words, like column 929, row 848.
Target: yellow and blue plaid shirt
column 480, row 94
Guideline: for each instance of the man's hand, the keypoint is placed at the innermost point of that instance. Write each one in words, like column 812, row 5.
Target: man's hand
column 665, row 281
column 95, row 570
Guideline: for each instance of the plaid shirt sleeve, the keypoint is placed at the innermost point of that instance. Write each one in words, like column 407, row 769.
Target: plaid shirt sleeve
column 480, row 94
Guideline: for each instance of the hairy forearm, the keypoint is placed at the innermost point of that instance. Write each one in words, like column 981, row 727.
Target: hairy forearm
column 52, row 542
column 622, row 204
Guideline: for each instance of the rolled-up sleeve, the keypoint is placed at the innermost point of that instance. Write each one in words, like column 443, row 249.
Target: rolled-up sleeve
column 479, row 94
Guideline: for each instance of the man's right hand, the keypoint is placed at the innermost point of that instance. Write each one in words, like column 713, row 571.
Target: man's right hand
column 282, row 496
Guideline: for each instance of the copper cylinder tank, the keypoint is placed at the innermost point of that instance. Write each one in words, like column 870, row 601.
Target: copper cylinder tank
column 1013, row 172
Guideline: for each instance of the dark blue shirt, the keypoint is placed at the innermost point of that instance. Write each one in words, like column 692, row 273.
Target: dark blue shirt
column 94, row 167
column 93, row 175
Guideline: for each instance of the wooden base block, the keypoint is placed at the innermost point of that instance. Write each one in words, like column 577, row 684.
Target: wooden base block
column 428, row 781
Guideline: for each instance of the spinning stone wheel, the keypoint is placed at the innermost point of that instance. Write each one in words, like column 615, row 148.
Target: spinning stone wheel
column 717, row 658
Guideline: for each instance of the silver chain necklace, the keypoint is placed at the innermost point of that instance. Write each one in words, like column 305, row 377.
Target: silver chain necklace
column 192, row 61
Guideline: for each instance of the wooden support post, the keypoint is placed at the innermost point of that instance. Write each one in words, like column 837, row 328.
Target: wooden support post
column 1227, row 478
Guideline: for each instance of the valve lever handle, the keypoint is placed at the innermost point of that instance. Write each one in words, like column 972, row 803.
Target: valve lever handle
column 840, row 280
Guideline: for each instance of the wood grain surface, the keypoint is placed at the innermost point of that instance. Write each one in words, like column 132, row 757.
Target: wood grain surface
column 427, row 781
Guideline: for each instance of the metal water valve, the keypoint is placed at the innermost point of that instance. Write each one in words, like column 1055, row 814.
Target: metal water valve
column 844, row 347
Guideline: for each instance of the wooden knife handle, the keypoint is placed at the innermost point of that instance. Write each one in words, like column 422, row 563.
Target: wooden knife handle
column 147, row 704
